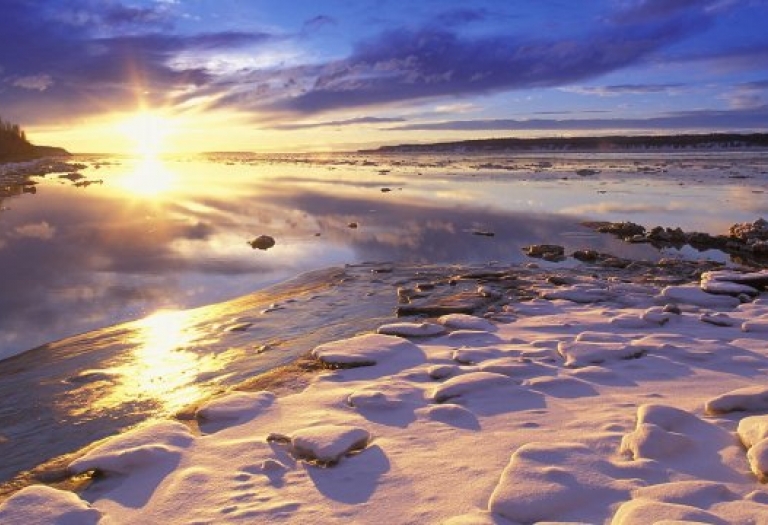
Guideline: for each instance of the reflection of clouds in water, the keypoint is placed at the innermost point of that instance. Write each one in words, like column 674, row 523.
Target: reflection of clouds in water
column 623, row 207
column 748, row 198
column 39, row 230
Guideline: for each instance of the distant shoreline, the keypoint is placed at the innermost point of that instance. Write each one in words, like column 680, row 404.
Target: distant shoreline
column 617, row 143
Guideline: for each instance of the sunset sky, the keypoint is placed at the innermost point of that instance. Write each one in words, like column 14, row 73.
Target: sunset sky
column 218, row 75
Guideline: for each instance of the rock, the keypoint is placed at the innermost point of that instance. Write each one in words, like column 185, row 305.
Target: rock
column 262, row 242
column 352, row 225
column 585, row 172
column 746, row 231
column 548, row 252
column 483, row 233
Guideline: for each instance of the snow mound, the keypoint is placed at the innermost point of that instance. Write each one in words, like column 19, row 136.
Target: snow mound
column 146, row 446
column 474, row 337
column 694, row 295
column 450, row 414
column 324, row 444
column 657, row 434
column 364, row 350
column 558, row 482
column 466, row 322
column 642, row 512
column 748, row 399
column 411, row 329
column 733, row 283
column 753, row 433
column 579, row 293
column 235, row 406
column 439, row 372
column 39, row 504
column 701, row 494
column 468, row 384
column 755, row 325
column 515, row 367
column 471, row 356
column 583, row 353
column 717, row 319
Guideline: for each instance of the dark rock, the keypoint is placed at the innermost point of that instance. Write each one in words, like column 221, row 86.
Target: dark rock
column 483, row 233
column 262, row 242
column 585, row 172
column 547, row 252
column 352, row 225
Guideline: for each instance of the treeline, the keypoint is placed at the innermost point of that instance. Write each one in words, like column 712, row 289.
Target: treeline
column 14, row 145
column 607, row 143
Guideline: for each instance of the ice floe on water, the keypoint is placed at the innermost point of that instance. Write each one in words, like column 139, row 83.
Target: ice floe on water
column 601, row 402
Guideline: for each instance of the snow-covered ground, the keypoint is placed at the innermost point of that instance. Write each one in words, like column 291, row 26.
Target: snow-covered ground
column 601, row 401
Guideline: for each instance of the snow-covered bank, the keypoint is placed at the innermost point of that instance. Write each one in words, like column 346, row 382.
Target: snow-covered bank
column 600, row 401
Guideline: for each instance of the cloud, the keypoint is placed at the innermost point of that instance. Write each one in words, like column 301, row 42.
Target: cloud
column 39, row 82
column 338, row 123
column 625, row 89
column 753, row 118
column 317, row 23
column 85, row 61
column 409, row 65
column 461, row 16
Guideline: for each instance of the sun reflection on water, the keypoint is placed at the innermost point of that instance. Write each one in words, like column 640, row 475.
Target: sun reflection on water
column 150, row 178
column 162, row 368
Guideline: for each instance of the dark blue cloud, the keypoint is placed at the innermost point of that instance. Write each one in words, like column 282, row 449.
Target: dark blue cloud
column 56, row 63
column 404, row 65
column 462, row 16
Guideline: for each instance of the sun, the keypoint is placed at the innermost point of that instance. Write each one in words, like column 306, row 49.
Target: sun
column 148, row 132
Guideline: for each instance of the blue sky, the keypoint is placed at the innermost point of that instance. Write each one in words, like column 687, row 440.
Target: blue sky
column 324, row 74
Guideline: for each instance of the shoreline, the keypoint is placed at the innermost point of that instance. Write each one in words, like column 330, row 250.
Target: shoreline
column 293, row 376
column 531, row 317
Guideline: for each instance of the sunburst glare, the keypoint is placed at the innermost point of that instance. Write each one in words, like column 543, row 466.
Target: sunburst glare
column 149, row 178
column 148, row 133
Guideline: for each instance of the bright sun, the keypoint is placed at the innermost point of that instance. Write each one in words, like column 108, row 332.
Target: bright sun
column 148, row 132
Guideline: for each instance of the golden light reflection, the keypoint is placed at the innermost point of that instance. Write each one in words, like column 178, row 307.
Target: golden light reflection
column 162, row 368
column 149, row 178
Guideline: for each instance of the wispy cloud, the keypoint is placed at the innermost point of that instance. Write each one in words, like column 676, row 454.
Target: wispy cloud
column 626, row 89
column 337, row 123
column 754, row 118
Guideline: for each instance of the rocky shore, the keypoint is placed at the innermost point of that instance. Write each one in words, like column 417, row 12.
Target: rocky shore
column 631, row 368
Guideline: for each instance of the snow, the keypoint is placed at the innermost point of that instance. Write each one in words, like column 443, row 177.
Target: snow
column 411, row 329
column 41, row 504
column 747, row 399
column 616, row 410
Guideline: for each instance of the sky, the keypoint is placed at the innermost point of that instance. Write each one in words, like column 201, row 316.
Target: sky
column 285, row 75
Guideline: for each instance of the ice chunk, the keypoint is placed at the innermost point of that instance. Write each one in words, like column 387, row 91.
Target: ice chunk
column 234, row 406
column 325, row 444
column 466, row 322
column 411, row 329
column 748, row 399
column 364, row 350
column 691, row 294
column 40, row 504
column 581, row 353
column 145, row 446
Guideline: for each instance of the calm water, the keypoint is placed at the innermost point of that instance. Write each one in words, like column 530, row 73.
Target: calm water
column 167, row 235
column 151, row 239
